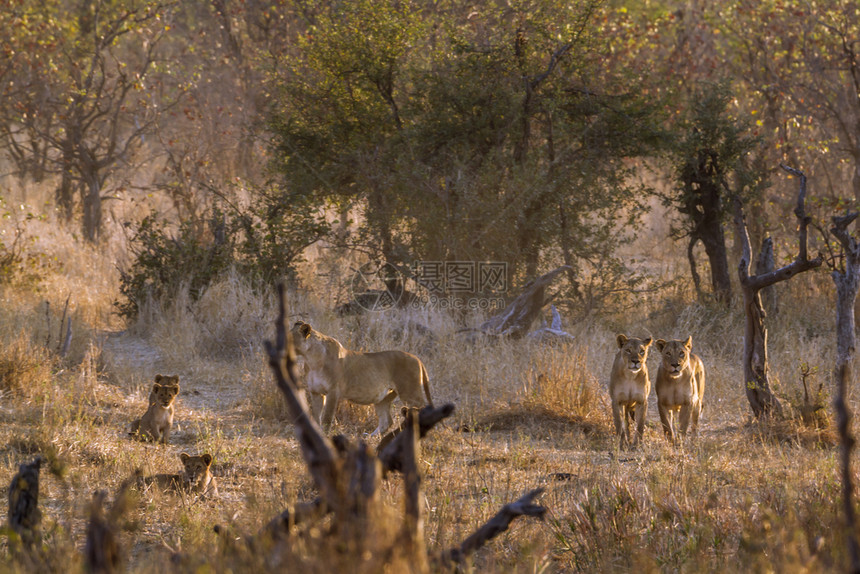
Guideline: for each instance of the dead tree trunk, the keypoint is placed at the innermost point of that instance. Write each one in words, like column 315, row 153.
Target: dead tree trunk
column 765, row 264
column 25, row 517
column 756, row 379
column 103, row 553
column 517, row 318
column 847, row 284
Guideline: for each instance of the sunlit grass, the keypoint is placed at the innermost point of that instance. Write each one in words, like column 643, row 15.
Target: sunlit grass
column 742, row 497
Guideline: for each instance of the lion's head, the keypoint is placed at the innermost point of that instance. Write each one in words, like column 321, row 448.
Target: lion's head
column 164, row 390
column 315, row 347
column 675, row 355
column 196, row 468
column 634, row 351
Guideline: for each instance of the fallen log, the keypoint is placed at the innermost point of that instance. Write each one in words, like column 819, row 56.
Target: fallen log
column 516, row 319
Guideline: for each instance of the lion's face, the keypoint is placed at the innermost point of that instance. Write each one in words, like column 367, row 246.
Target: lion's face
column 163, row 395
column 196, row 467
column 634, row 351
column 676, row 355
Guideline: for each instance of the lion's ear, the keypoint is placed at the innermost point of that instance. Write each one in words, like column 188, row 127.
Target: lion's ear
column 155, row 387
column 621, row 340
column 158, row 378
column 305, row 330
column 647, row 342
column 207, row 459
column 689, row 342
column 184, row 457
column 660, row 344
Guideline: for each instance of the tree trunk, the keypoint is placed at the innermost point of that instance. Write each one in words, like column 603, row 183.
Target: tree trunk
column 767, row 263
column 715, row 247
column 65, row 193
column 92, row 207
column 709, row 229
column 856, row 179
column 694, row 270
column 517, row 318
column 756, row 381
column 379, row 219
column 761, row 399
column 847, row 284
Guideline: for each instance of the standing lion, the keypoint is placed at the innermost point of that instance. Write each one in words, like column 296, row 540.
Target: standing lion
column 680, row 387
column 629, row 387
column 336, row 373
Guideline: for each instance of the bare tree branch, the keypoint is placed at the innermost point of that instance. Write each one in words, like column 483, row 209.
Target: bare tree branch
column 323, row 462
column 756, row 380
column 496, row 525
column 391, row 448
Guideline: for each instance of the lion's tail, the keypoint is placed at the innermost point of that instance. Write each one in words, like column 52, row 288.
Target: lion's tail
column 425, row 382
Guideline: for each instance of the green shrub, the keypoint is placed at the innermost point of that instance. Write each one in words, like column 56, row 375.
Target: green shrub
column 262, row 242
column 194, row 256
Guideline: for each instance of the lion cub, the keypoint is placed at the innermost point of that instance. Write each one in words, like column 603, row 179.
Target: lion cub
column 156, row 422
column 196, row 478
column 680, row 386
column 629, row 387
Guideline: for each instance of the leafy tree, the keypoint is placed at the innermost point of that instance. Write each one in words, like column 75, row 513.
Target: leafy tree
column 86, row 102
column 337, row 112
column 711, row 154
column 799, row 65
column 502, row 136
column 165, row 261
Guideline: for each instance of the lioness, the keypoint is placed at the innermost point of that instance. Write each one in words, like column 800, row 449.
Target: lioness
column 680, row 386
column 197, row 477
column 629, row 387
column 364, row 378
column 156, row 422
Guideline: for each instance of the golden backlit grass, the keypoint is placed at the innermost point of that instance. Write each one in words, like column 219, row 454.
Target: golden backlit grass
column 741, row 498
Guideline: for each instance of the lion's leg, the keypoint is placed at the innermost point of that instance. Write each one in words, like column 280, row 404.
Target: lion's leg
column 627, row 415
column 666, row 416
column 641, row 411
column 617, row 412
column 684, row 418
column 165, row 434
column 315, row 402
column 694, row 419
column 329, row 408
column 383, row 412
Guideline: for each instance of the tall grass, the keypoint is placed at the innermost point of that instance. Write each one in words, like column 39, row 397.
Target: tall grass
column 742, row 497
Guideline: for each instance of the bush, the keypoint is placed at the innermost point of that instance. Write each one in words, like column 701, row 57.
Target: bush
column 195, row 256
column 261, row 242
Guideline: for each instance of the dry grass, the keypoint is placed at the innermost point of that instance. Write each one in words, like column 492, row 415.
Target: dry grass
column 740, row 498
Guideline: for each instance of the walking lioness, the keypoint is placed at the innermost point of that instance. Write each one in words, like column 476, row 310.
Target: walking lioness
column 680, row 386
column 629, row 387
column 336, row 373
